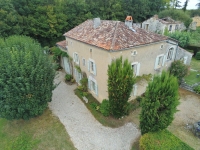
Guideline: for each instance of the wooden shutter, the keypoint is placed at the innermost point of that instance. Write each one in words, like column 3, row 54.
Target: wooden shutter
column 95, row 71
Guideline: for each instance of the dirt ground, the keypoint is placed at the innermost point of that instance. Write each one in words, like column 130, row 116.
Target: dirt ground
column 188, row 113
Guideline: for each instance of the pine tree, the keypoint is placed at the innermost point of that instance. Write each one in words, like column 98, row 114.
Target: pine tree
column 120, row 84
column 159, row 104
column 26, row 78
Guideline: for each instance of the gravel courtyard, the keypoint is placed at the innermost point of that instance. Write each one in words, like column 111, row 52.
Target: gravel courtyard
column 85, row 131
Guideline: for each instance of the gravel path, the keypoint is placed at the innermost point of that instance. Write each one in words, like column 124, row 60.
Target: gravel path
column 85, row 131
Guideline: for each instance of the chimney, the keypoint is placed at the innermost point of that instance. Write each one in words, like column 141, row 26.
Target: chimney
column 129, row 21
column 96, row 22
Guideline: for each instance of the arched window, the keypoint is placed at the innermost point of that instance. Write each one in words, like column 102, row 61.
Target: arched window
column 170, row 54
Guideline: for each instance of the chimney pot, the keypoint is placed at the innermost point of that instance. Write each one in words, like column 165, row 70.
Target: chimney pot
column 129, row 21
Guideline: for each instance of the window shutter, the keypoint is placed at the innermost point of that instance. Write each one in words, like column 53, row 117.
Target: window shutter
column 88, row 65
column 96, row 89
column 74, row 73
column 164, row 59
column 156, row 63
column 185, row 59
column 138, row 69
column 95, row 71
column 89, row 86
column 74, row 57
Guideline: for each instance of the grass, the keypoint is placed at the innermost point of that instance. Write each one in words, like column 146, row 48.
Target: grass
column 163, row 140
column 192, row 78
column 43, row 132
column 195, row 64
column 93, row 105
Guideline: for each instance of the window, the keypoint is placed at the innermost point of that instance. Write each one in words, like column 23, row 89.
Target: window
column 161, row 46
column 76, row 58
column 176, row 27
column 92, row 66
column 84, row 62
column 147, row 27
column 92, row 85
column 170, row 54
column 160, row 60
column 134, row 91
column 136, row 68
column 77, row 75
column 170, row 27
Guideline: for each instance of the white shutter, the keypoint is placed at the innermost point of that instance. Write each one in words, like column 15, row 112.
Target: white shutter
column 138, row 69
column 96, row 89
column 74, row 57
column 88, row 65
column 95, row 71
column 185, row 59
column 78, row 60
column 164, row 59
column 156, row 63
column 135, row 90
column 89, row 86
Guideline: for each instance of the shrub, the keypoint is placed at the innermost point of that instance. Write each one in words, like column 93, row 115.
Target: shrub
column 197, row 89
column 159, row 103
column 68, row 77
column 84, row 84
column 197, row 56
column 178, row 69
column 120, row 84
column 163, row 140
column 26, row 78
column 105, row 108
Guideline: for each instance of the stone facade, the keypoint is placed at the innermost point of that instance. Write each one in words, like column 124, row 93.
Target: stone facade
column 92, row 51
column 154, row 24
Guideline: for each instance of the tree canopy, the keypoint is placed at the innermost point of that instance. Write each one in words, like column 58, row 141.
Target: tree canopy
column 26, row 78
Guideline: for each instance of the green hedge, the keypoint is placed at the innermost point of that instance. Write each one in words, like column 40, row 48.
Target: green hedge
column 163, row 140
column 197, row 56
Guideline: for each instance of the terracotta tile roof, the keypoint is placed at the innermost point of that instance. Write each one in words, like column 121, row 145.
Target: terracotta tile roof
column 62, row 44
column 112, row 35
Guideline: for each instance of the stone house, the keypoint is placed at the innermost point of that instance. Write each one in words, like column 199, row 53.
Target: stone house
column 95, row 43
column 156, row 25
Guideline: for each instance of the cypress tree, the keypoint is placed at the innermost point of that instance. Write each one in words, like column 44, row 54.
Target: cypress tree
column 120, row 84
column 159, row 103
column 26, row 78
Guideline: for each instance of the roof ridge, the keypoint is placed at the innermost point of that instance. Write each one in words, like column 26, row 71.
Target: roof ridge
column 113, row 41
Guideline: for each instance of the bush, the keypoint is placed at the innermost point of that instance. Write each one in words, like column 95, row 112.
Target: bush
column 105, row 108
column 26, row 78
column 68, row 77
column 84, row 84
column 159, row 103
column 163, row 140
column 197, row 56
column 178, row 69
column 197, row 89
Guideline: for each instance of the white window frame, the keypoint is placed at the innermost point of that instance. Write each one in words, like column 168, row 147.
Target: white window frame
column 137, row 71
column 92, row 85
column 170, row 53
column 76, row 58
column 92, row 66
column 160, row 61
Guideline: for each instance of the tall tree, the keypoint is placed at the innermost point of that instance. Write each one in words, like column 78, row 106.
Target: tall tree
column 198, row 5
column 159, row 103
column 26, row 78
column 120, row 84
column 185, row 5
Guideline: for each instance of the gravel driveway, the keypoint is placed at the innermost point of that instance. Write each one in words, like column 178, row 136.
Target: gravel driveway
column 85, row 131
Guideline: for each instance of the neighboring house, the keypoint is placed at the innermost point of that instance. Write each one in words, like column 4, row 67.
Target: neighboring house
column 154, row 24
column 197, row 20
column 94, row 44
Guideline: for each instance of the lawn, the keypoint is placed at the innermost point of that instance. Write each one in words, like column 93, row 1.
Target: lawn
column 195, row 64
column 44, row 132
column 192, row 78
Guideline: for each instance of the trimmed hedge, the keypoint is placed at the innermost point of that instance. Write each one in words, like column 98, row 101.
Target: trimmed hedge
column 197, row 56
column 162, row 140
